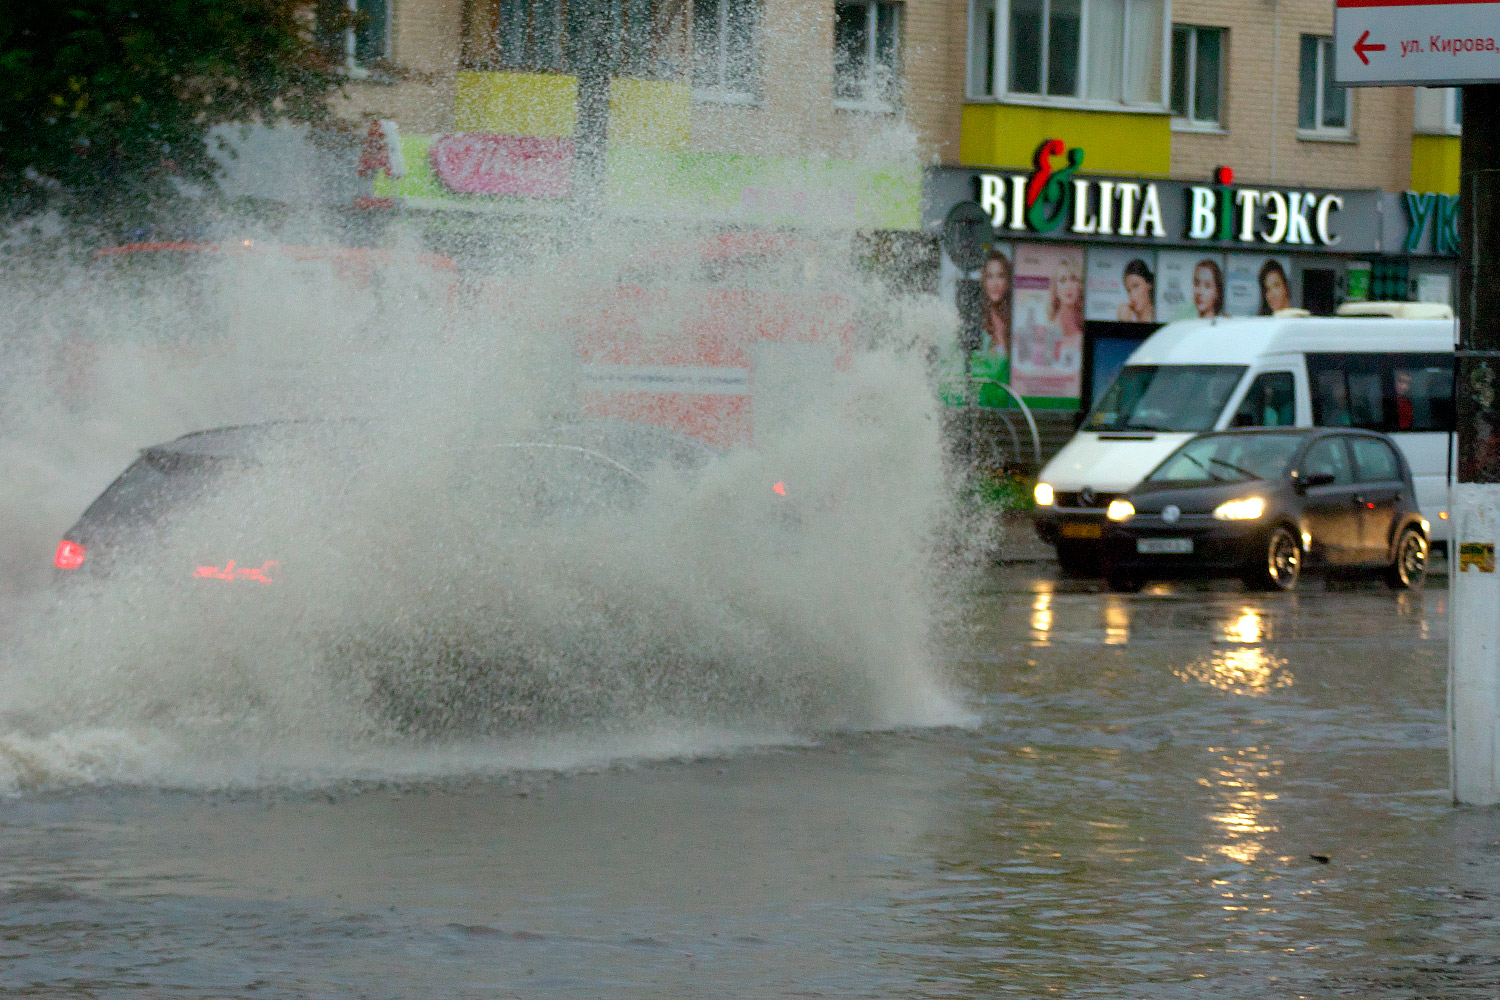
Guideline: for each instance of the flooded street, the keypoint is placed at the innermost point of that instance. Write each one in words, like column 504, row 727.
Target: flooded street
column 1141, row 808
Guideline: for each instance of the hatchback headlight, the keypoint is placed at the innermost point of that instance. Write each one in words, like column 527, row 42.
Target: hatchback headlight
column 1044, row 494
column 1120, row 510
column 1247, row 509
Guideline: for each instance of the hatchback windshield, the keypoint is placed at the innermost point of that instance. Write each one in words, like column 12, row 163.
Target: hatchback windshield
column 1165, row 398
column 1228, row 458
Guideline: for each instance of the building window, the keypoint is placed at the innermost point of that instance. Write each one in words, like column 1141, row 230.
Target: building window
column 1439, row 110
column 529, row 35
column 1091, row 52
column 866, row 52
column 1322, row 105
column 355, row 33
column 725, row 47
column 1197, row 76
column 639, row 38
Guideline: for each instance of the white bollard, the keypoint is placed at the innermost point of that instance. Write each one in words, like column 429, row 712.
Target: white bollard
column 1474, row 644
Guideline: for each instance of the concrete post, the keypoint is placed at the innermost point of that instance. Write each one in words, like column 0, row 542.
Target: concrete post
column 1474, row 629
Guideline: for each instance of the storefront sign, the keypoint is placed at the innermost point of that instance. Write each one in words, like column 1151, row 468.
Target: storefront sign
column 1051, row 199
column 1435, row 212
column 482, row 163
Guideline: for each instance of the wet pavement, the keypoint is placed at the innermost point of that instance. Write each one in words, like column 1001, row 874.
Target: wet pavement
column 1182, row 793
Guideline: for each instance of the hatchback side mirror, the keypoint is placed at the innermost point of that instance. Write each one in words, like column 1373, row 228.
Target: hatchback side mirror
column 1309, row 479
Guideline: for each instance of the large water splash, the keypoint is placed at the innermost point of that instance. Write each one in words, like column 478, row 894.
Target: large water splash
column 420, row 630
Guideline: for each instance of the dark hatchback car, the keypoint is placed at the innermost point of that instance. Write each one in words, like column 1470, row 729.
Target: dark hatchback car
column 566, row 467
column 1264, row 505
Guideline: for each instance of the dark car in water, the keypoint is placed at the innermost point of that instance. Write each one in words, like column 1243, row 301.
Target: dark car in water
column 1266, row 504
column 255, row 472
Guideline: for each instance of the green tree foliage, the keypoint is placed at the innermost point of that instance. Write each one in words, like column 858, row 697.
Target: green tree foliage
column 106, row 105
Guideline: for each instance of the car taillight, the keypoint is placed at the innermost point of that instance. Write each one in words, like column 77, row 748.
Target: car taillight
column 69, row 555
column 779, row 489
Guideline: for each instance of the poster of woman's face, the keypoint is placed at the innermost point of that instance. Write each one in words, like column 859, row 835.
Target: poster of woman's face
column 996, row 279
column 1190, row 285
column 1121, row 285
column 1047, row 320
column 1256, row 285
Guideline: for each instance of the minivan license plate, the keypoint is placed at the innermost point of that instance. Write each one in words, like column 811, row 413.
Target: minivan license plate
column 1164, row 546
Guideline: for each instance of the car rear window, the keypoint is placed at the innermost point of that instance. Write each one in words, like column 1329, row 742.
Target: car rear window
column 1376, row 462
column 153, row 489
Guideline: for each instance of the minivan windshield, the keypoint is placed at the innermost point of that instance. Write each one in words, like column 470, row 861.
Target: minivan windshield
column 1228, row 458
column 1165, row 398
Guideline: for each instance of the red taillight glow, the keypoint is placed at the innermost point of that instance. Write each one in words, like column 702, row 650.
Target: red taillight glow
column 779, row 489
column 69, row 555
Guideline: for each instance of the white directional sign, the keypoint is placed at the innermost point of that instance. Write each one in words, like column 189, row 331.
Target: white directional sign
column 1403, row 42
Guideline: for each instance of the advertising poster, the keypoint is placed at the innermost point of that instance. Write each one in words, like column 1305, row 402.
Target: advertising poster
column 1047, row 321
column 1122, row 285
column 1189, row 285
column 996, row 300
column 1256, row 284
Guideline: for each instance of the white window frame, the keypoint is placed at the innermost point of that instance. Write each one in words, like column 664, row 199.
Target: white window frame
column 352, row 66
column 1323, row 67
column 1001, row 67
column 1188, row 123
column 1451, row 124
column 722, row 93
column 868, row 103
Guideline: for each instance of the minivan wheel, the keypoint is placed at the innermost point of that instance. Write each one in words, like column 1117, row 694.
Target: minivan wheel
column 1281, row 566
column 1409, row 569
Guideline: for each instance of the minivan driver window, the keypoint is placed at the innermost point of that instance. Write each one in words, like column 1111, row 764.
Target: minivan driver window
column 1165, row 398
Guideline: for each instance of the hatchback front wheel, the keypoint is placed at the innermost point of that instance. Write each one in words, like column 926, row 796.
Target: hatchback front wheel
column 1281, row 566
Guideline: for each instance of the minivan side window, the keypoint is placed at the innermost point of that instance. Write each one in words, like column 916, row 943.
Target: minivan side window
column 1375, row 460
column 1382, row 392
column 1271, row 401
column 1329, row 456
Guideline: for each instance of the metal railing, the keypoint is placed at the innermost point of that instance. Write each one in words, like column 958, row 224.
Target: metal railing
column 972, row 405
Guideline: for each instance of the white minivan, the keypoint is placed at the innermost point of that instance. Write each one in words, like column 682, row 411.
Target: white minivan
column 1379, row 372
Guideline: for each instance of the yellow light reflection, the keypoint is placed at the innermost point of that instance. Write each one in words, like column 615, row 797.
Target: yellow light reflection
column 1240, row 814
column 1116, row 621
column 1249, row 626
column 1041, row 615
column 1250, row 671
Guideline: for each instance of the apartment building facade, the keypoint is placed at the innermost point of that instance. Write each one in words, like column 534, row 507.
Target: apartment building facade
column 1137, row 160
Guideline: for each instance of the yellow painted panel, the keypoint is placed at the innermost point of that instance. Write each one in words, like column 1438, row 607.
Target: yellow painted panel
column 1434, row 163
column 516, row 103
column 655, row 113
column 651, row 113
column 1114, row 142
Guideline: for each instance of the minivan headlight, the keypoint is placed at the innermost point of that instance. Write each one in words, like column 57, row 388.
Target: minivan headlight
column 1044, row 494
column 1247, row 509
column 1120, row 510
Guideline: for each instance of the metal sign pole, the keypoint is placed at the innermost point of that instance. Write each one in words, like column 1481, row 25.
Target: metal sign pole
column 1474, row 631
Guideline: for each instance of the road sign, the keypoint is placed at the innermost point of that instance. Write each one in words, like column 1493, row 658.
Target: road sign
column 1426, row 42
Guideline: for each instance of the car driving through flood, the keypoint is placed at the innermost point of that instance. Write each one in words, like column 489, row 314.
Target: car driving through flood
column 1263, row 505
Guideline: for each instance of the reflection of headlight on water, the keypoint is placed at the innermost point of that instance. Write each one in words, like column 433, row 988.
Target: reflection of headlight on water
column 1239, row 671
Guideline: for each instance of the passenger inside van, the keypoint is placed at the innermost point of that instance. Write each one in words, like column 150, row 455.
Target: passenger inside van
column 1271, row 401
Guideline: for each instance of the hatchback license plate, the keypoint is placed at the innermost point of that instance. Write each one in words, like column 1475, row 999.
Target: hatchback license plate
column 1164, row 546
column 1084, row 530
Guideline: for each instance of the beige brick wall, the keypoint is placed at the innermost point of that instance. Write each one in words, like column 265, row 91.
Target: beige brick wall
column 426, row 38
column 796, row 114
column 1260, row 106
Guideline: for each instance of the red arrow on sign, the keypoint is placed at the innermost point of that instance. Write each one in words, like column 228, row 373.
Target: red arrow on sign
column 1361, row 47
